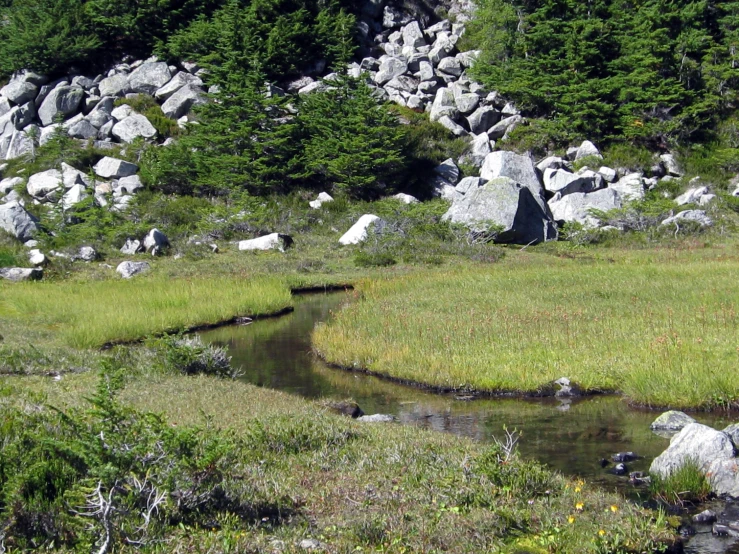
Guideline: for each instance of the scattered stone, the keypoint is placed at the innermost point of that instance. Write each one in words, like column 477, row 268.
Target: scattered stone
column 706, row 516
column 671, row 166
column 360, row 230
column 699, row 216
column 36, row 257
column 83, row 130
column 610, row 175
column 691, row 196
column 323, row 197
column 122, row 112
column 624, row 457
column 482, row 119
column 566, row 387
column 405, row 198
column 586, row 150
column 131, row 247
column 87, row 254
column 17, row 274
column 563, row 182
column 113, row 168
column 454, row 128
column 274, row 241
column 155, row 241
column 130, row 184
column 376, row 418
column 630, row 187
column 42, row 184
column 74, row 196
column 469, row 184
column 129, row 269
column 514, row 166
column 176, row 83
column 390, row 68
column 733, row 432
column 115, row 85
column 504, row 126
column 133, row 127
column 444, row 105
column 309, row 544
column 8, row 184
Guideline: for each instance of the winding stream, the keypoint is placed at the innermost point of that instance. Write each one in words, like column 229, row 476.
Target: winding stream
column 571, row 437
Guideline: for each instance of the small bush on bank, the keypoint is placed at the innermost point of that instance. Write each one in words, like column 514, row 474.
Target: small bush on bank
column 190, row 356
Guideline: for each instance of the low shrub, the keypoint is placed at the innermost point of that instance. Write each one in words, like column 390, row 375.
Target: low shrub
column 190, row 356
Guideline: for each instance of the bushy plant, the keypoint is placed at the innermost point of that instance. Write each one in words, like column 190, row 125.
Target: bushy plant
column 190, row 356
column 686, row 484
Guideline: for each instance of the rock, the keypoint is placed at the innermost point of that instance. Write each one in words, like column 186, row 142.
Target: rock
column 83, row 130
column 563, row 182
column 401, row 84
column 586, row 150
column 447, row 171
column 133, row 127
column 479, row 150
column 359, row 231
column 176, row 83
column 376, row 418
column 444, row 105
column 116, row 85
column 503, row 127
column 36, row 257
column 691, row 196
column 699, row 216
column 620, row 469
column 711, row 450
column 467, row 103
column 182, row 101
column 149, row 78
column 509, row 164
column 468, row 59
column 454, row 128
column 706, row 516
column 19, row 92
column 61, row 102
column 518, row 209
column 274, row 241
column 42, row 184
column 469, row 184
column 17, row 274
column 413, row 36
column 131, row 247
column 624, row 457
column 9, row 183
column 706, row 199
column 405, row 198
column 129, row 269
column 131, row 184
column 576, row 207
column 30, row 77
column 323, row 197
column 566, row 388
column 552, row 162
column 451, row 66
column 18, row 144
column 670, row 165
column 671, row 421
column 630, row 187
column 482, row 119
column 113, row 168
column 155, row 241
column 74, row 196
column 122, row 112
column 87, row 254
column 390, row 68
column 309, row 544
column 608, row 174
column 733, row 432
column 345, row 408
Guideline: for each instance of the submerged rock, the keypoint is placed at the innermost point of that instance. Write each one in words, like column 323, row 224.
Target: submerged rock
column 671, row 421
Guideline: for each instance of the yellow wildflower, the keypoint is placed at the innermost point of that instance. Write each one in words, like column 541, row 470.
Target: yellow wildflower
column 601, row 532
column 577, row 489
column 614, row 508
column 579, row 506
column 571, row 519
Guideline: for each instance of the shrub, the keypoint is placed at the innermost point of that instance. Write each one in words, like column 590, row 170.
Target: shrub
column 188, row 355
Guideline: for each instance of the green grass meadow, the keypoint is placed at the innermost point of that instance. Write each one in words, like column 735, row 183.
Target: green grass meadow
column 659, row 326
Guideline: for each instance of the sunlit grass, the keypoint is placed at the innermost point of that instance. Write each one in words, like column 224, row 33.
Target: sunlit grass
column 92, row 313
column 659, row 327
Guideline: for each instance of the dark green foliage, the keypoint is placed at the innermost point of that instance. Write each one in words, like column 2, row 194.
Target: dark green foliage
column 45, row 36
column 111, row 473
column 349, row 142
column 651, row 71
column 188, row 355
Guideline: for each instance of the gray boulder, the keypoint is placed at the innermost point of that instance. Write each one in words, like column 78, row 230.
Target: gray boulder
column 129, row 269
column 155, row 241
column 610, row 175
column 587, row 149
column 467, row 103
column 468, row 184
column 113, row 168
column 72, row 176
column 447, row 171
column 576, row 207
column 130, row 185
column 390, row 68
column 15, row 220
column 149, row 77
column 74, row 196
column 376, row 418
column 9, row 183
column 671, row 421
column 61, row 102
column 450, row 66
column 182, row 101
column 450, row 125
column 482, row 119
column 17, row 274
column 712, row 451
column 405, row 198
column 630, row 187
column 504, row 126
column 691, row 196
column 511, row 206
column 323, row 198
column 131, row 247
column 360, row 230
column 413, row 36
column 671, row 165
column 515, row 166
column 479, row 150
column 87, row 254
column 115, row 85
column 444, row 105
column 42, row 184
column 83, row 130
column 273, row 241
column 133, row 127
column 698, row 216
column 733, row 431
column 176, row 83
column 552, row 162
column 563, row 182
column 19, row 92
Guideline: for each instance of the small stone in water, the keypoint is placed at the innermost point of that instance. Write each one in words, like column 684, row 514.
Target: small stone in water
column 706, row 516
column 620, row 469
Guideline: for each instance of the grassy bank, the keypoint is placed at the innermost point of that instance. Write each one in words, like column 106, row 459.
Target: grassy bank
column 92, row 313
column 659, row 326
column 354, row 487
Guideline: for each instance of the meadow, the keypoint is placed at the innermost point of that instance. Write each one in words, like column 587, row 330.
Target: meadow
column 659, row 326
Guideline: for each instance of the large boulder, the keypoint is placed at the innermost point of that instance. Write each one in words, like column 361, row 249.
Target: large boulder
column 149, row 77
column 520, row 213
column 61, row 102
column 482, row 119
column 630, row 187
column 504, row 126
column 413, row 35
column 712, row 451
column 74, row 196
column 182, row 101
column 360, row 230
column 113, row 168
column 390, row 68
column 115, row 85
column 563, row 182
column 691, row 196
column 19, row 92
column 587, row 149
column 176, row 83
column 671, row 422
column 40, row 185
column 17, row 274
column 133, row 127
column 155, row 241
column 273, row 241
column 129, row 269
column 15, row 220
column 444, row 105
column 576, row 207
column 514, row 166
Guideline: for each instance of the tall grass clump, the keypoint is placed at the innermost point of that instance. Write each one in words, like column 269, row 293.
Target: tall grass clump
column 91, row 314
column 686, row 484
column 662, row 331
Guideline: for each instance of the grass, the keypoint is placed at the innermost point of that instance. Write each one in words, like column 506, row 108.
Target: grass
column 660, row 326
column 687, row 484
column 371, row 488
column 91, row 314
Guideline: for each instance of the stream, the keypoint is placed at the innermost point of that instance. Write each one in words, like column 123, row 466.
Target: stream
column 568, row 436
